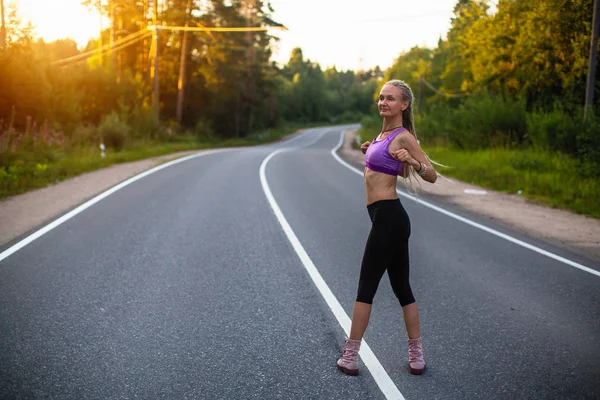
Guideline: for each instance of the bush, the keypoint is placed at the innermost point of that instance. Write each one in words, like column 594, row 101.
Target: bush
column 84, row 135
column 113, row 131
column 369, row 127
column 348, row 117
column 487, row 120
column 588, row 146
column 147, row 125
column 481, row 121
column 554, row 131
column 204, row 131
column 434, row 127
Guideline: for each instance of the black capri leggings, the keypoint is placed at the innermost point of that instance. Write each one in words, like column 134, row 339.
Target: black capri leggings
column 386, row 249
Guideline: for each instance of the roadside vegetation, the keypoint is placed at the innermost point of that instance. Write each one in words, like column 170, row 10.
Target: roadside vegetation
column 499, row 100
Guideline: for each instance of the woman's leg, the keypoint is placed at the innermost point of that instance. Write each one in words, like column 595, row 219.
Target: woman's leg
column 376, row 257
column 398, row 273
column 360, row 320
column 411, row 321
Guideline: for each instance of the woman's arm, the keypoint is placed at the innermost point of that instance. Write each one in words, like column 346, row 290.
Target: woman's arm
column 411, row 153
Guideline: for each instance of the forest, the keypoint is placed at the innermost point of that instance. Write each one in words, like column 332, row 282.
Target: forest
column 500, row 100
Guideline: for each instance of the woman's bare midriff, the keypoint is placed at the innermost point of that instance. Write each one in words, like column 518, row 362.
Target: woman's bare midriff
column 379, row 186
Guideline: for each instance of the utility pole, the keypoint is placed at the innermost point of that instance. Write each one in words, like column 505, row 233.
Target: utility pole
column 155, row 88
column 251, row 60
column 2, row 28
column 591, row 78
column 101, row 57
column 181, row 82
column 250, row 18
column 145, row 46
column 111, row 16
column 119, row 52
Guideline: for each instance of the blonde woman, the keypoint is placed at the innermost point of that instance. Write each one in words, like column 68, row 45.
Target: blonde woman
column 395, row 152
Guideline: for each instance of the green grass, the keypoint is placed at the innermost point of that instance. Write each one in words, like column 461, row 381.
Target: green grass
column 39, row 166
column 553, row 179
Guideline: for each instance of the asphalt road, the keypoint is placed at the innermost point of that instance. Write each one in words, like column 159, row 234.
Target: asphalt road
column 184, row 285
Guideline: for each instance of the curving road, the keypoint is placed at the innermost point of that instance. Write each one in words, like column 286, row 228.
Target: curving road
column 231, row 275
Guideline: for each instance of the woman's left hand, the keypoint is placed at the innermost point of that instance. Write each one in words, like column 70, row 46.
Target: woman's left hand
column 404, row 156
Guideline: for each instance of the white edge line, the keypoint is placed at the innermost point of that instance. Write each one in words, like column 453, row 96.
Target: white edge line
column 469, row 222
column 24, row 242
column 383, row 380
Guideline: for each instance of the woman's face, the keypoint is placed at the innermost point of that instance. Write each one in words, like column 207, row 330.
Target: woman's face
column 390, row 101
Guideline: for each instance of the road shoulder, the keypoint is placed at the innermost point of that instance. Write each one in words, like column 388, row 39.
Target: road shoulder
column 21, row 213
column 575, row 232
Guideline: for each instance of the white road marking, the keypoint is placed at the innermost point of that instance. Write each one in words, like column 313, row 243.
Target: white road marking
column 468, row 221
column 370, row 361
column 18, row 246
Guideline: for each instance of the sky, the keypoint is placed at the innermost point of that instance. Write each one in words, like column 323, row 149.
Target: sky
column 347, row 34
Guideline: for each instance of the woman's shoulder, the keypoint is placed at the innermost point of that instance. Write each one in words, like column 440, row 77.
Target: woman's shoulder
column 405, row 137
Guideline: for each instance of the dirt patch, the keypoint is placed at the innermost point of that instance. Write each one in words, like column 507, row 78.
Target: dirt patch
column 576, row 232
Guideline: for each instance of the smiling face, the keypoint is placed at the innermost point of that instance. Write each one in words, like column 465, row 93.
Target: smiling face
column 391, row 102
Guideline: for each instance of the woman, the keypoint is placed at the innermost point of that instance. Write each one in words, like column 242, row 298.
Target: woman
column 394, row 152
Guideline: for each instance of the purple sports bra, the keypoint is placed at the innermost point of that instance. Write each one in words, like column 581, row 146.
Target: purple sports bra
column 378, row 157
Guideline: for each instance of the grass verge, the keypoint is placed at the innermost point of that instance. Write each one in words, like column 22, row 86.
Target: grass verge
column 551, row 179
column 39, row 166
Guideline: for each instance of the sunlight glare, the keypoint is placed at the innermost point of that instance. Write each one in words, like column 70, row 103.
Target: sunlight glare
column 59, row 19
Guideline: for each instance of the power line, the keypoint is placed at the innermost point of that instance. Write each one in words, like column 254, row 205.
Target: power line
column 212, row 29
column 109, row 51
column 133, row 37
column 453, row 95
column 143, row 33
column 401, row 17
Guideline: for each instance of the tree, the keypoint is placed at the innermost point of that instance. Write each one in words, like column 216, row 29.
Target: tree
column 457, row 77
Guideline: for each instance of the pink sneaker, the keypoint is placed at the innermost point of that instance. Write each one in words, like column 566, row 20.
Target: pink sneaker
column 348, row 363
column 415, row 356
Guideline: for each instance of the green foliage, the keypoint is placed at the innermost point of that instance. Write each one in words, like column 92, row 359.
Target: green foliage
column 204, row 131
column 231, row 84
column 417, row 61
column 482, row 121
column 588, row 147
column 553, row 131
column 370, row 126
column 113, row 131
column 518, row 73
column 85, row 135
column 145, row 124
column 558, row 131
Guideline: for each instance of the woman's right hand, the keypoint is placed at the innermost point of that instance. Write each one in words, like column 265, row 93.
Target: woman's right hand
column 364, row 146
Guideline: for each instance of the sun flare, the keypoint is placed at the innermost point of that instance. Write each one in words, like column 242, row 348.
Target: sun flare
column 60, row 19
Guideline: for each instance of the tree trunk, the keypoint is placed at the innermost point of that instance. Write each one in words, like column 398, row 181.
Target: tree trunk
column 2, row 28
column 181, row 82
